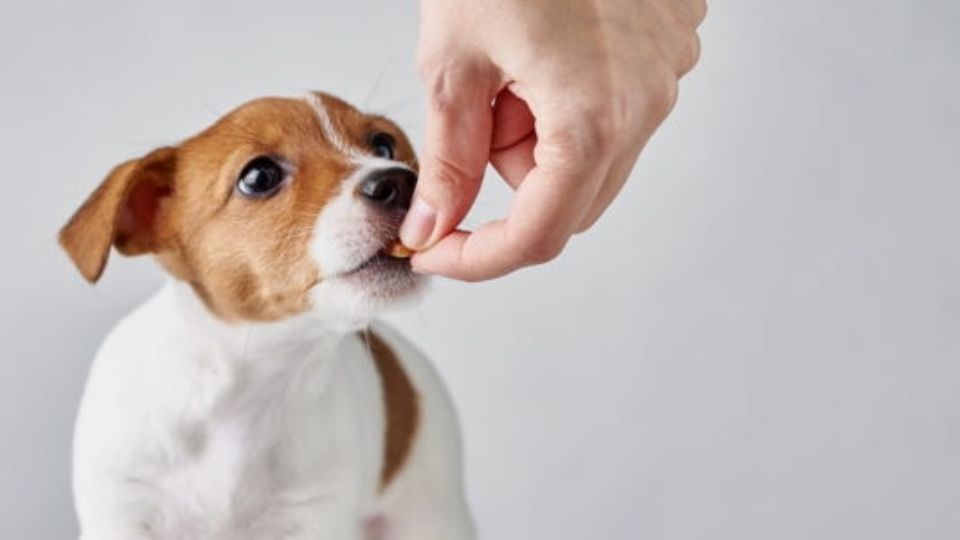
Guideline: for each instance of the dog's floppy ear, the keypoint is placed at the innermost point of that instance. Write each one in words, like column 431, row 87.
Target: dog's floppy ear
column 122, row 212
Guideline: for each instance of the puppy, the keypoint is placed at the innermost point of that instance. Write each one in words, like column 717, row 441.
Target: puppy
column 248, row 398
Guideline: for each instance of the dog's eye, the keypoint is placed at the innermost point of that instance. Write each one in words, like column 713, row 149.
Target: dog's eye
column 382, row 145
column 261, row 178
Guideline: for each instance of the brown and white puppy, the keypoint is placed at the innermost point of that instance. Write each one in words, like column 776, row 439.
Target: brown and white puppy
column 248, row 399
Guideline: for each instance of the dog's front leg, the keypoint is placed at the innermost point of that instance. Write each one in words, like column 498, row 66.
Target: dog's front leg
column 322, row 527
column 330, row 517
column 115, row 528
column 115, row 534
column 111, row 509
column 103, row 524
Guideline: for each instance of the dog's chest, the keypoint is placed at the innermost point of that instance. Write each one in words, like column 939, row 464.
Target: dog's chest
column 226, row 483
column 253, row 467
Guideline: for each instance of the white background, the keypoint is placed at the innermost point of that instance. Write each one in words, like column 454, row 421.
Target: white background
column 758, row 341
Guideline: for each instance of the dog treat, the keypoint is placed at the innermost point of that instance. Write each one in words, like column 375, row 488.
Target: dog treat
column 399, row 251
column 329, row 241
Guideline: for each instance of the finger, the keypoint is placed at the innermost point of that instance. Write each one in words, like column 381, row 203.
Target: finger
column 514, row 138
column 546, row 210
column 515, row 163
column 616, row 178
column 573, row 153
column 512, row 121
column 658, row 100
column 456, row 150
column 571, row 163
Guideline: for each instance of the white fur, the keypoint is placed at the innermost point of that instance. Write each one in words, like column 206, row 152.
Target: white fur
column 193, row 428
column 345, row 237
column 330, row 131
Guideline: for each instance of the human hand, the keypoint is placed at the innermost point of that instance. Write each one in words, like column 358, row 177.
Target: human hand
column 560, row 96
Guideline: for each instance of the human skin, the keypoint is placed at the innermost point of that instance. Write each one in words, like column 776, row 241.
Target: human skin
column 560, row 96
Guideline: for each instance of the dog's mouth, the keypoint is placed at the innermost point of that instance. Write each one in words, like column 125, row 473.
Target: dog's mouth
column 382, row 276
column 381, row 261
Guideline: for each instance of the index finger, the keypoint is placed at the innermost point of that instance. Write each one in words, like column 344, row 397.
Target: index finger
column 546, row 210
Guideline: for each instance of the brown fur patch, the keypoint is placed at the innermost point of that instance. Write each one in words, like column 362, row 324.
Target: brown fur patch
column 402, row 407
column 248, row 259
column 121, row 212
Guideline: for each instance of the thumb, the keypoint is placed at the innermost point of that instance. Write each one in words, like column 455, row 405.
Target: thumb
column 455, row 153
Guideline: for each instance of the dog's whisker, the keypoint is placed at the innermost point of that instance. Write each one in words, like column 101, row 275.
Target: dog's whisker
column 234, row 373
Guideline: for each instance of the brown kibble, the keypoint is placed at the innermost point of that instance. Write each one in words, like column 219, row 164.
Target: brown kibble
column 399, row 251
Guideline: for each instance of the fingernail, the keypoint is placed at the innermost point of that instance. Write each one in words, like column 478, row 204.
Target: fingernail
column 418, row 225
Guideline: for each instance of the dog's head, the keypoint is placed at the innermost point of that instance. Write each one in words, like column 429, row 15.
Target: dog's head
column 282, row 207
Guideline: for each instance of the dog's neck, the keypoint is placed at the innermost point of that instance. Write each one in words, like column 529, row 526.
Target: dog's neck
column 249, row 360
column 250, row 340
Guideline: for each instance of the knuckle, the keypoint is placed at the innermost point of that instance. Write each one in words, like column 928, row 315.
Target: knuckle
column 660, row 94
column 429, row 61
column 602, row 124
column 689, row 54
column 543, row 250
column 446, row 172
column 589, row 134
column 606, row 118
column 424, row 64
column 700, row 10
column 471, row 277
column 692, row 12
column 575, row 151
column 588, row 221
column 440, row 79
column 562, row 146
column 609, row 106
column 454, row 76
column 680, row 43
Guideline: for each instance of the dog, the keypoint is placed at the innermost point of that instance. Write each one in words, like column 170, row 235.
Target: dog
column 250, row 398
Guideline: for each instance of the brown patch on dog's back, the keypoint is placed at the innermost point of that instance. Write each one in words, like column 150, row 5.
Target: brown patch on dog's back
column 401, row 403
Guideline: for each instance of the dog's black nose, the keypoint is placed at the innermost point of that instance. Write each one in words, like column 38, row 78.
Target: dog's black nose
column 389, row 188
